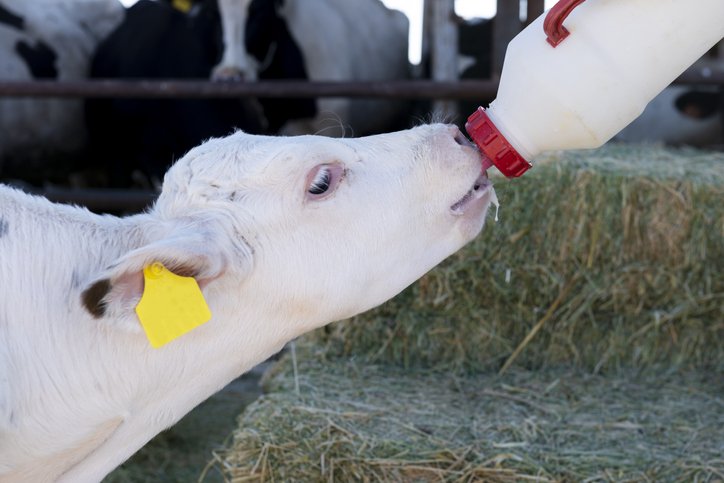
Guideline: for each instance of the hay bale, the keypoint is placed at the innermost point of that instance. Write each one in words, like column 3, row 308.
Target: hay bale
column 600, row 259
column 366, row 423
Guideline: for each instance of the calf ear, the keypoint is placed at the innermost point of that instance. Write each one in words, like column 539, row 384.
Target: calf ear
column 190, row 252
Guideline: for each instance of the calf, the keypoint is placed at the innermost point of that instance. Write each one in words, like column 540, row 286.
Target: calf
column 283, row 235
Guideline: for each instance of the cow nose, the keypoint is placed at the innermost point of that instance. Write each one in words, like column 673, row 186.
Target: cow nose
column 228, row 74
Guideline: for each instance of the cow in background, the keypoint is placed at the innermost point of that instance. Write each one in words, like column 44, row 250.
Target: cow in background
column 47, row 39
column 684, row 115
column 475, row 50
column 158, row 40
column 337, row 40
column 721, row 109
column 275, row 39
column 681, row 116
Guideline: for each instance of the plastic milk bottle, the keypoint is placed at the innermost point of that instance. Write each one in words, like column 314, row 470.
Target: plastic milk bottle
column 582, row 72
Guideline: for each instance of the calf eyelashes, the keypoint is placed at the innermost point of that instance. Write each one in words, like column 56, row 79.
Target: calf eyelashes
column 323, row 180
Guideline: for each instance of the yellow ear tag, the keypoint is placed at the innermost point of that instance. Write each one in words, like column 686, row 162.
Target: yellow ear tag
column 182, row 5
column 170, row 306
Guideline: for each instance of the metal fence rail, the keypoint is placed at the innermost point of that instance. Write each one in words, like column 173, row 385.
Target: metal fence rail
column 408, row 89
column 100, row 200
column 122, row 200
column 206, row 89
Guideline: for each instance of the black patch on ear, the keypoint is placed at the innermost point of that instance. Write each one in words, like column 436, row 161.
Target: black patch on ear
column 93, row 296
column 39, row 58
column 9, row 18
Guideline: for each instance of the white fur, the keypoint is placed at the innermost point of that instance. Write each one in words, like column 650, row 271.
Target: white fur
column 73, row 29
column 234, row 60
column 80, row 394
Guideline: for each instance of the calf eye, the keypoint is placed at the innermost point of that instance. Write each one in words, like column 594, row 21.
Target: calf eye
column 323, row 180
column 320, row 183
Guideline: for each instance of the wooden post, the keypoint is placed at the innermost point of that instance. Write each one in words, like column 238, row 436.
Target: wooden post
column 505, row 26
column 427, row 28
column 534, row 9
column 444, row 50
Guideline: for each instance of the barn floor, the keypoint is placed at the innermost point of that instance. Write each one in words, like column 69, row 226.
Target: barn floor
column 348, row 421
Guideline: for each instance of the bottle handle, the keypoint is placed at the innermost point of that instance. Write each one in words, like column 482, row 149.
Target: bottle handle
column 553, row 24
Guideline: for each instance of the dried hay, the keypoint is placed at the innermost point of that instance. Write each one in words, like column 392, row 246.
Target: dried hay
column 352, row 422
column 600, row 259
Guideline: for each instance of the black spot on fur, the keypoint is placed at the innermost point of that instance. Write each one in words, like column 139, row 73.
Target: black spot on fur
column 93, row 296
column 39, row 58
column 9, row 18
column 3, row 227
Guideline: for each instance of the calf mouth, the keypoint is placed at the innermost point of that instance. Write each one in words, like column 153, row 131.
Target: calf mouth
column 480, row 188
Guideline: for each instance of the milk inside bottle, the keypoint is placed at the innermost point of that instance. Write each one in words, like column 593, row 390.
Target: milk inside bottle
column 579, row 74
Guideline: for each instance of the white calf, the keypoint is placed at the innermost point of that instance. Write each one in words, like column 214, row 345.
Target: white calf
column 283, row 235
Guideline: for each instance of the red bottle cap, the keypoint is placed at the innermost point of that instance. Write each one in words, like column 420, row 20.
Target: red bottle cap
column 494, row 145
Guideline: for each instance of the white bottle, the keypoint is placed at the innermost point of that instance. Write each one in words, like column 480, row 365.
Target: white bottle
column 561, row 91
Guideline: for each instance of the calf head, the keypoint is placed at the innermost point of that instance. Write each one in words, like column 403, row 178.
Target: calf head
column 309, row 228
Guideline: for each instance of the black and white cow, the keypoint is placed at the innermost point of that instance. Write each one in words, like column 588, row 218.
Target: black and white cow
column 48, row 39
column 680, row 115
column 475, row 50
column 250, row 40
column 158, row 41
column 338, row 40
